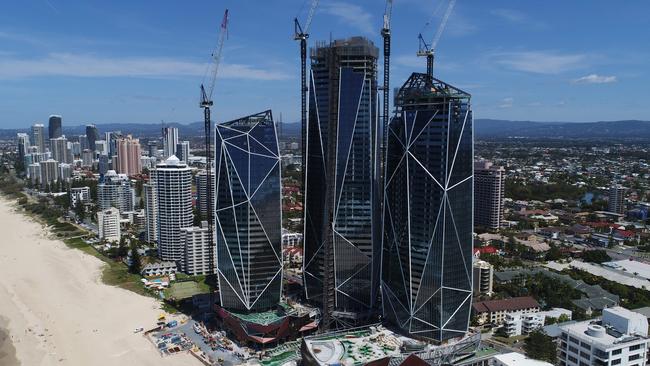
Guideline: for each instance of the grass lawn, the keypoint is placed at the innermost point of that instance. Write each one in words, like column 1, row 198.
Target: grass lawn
column 510, row 340
column 184, row 290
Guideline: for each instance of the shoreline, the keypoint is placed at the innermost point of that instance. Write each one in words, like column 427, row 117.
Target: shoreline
column 7, row 349
column 60, row 311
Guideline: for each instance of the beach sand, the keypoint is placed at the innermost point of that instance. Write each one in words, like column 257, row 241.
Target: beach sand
column 59, row 312
column 7, row 350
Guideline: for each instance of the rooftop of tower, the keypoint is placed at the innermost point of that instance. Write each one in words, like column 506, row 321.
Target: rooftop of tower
column 248, row 122
column 353, row 46
column 420, row 86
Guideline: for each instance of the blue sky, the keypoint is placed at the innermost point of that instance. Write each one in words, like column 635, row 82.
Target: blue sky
column 142, row 61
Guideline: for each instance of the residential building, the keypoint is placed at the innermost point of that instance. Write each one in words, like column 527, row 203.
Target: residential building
column 495, row 311
column 92, row 135
column 49, row 172
column 427, row 243
column 59, row 148
column 248, row 213
column 619, row 338
column 128, row 156
column 23, row 145
column 483, row 278
column 489, row 193
column 83, row 142
column 101, row 147
column 108, row 222
column 290, row 239
column 342, row 234
column 201, row 181
column 173, row 187
column 198, row 249
column 159, row 269
column 151, row 211
column 87, row 158
column 38, row 137
column 516, row 359
column 152, row 148
column 616, row 202
column 79, row 195
column 65, row 171
column 55, row 129
column 34, row 172
column 517, row 324
column 170, row 140
column 183, row 151
column 115, row 191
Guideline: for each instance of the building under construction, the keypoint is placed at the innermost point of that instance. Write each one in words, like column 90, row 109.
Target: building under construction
column 342, row 219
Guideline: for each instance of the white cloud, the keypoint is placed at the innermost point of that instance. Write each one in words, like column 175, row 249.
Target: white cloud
column 539, row 62
column 353, row 15
column 513, row 16
column 507, row 102
column 85, row 65
column 595, row 79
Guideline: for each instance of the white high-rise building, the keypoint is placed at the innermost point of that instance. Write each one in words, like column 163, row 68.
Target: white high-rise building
column 151, row 211
column 619, row 338
column 34, row 172
column 483, row 278
column 173, row 184
column 101, row 147
column 108, row 222
column 170, row 140
column 616, row 199
column 65, row 171
column 197, row 250
column 79, row 195
column 115, row 191
column 49, row 172
column 38, row 137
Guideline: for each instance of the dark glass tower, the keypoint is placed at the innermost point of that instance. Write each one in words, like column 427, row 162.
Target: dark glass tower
column 342, row 240
column 427, row 241
column 248, row 213
column 92, row 135
column 55, row 130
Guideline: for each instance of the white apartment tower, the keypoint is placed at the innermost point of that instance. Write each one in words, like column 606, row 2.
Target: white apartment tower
column 109, row 225
column 170, row 140
column 151, row 211
column 616, row 199
column 489, row 192
column 197, row 250
column 173, row 185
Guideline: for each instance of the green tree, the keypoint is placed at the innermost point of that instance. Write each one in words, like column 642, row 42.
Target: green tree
column 80, row 210
column 136, row 265
column 596, row 256
column 540, row 347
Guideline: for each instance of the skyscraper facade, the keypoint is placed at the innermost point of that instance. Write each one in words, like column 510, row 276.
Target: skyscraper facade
column 428, row 196
column 342, row 220
column 489, row 193
column 201, row 181
column 115, row 191
column 151, row 210
column 38, row 137
column 59, row 148
column 128, row 156
column 55, row 129
column 248, row 213
column 173, row 186
column 197, row 250
column 23, row 145
column 170, row 140
column 49, row 172
column 183, row 151
column 92, row 135
column 616, row 201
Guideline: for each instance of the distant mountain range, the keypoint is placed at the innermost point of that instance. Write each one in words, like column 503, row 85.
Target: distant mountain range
column 483, row 129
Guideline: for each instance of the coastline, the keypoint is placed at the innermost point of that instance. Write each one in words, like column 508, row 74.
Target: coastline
column 59, row 310
column 7, row 349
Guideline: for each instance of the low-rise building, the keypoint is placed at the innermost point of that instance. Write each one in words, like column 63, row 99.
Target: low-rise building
column 518, row 324
column 619, row 338
column 495, row 311
column 79, row 195
column 159, row 269
column 516, row 359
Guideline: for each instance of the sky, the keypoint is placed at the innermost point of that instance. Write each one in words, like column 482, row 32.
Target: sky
column 142, row 61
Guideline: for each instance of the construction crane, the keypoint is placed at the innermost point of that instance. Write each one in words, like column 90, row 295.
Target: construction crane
column 205, row 103
column 428, row 50
column 385, row 34
column 301, row 34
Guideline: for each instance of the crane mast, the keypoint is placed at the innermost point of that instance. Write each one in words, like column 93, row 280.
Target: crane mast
column 205, row 103
column 385, row 33
column 428, row 50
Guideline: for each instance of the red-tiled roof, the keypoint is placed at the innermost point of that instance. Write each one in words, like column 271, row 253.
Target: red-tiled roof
column 512, row 304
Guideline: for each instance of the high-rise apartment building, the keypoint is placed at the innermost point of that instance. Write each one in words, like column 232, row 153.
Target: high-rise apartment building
column 55, row 128
column 108, row 222
column 38, row 137
column 34, row 172
column 616, row 202
column 128, row 156
column 173, row 186
column 427, row 259
column 201, row 181
column 92, row 135
column 23, row 145
column 87, row 158
column 489, row 193
column 197, row 250
column 152, row 148
column 49, row 172
column 83, row 142
column 483, row 278
column 115, row 191
column 151, row 210
column 183, row 151
column 170, row 140
column 342, row 220
column 101, row 147
column 59, row 148
column 248, row 213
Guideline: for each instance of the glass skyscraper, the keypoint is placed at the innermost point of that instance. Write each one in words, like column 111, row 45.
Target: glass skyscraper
column 248, row 208
column 55, row 129
column 428, row 212
column 342, row 219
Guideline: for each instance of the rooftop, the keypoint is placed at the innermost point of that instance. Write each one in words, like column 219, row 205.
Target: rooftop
column 514, row 358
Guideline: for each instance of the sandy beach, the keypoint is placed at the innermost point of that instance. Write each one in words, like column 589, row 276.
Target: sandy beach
column 56, row 311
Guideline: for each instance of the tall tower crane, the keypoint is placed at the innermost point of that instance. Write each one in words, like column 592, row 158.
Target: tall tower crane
column 301, row 33
column 428, row 50
column 205, row 103
column 385, row 34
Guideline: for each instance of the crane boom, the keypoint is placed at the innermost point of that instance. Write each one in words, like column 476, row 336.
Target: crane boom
column 428, row 50
column 385, row 33
column 206, row 103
